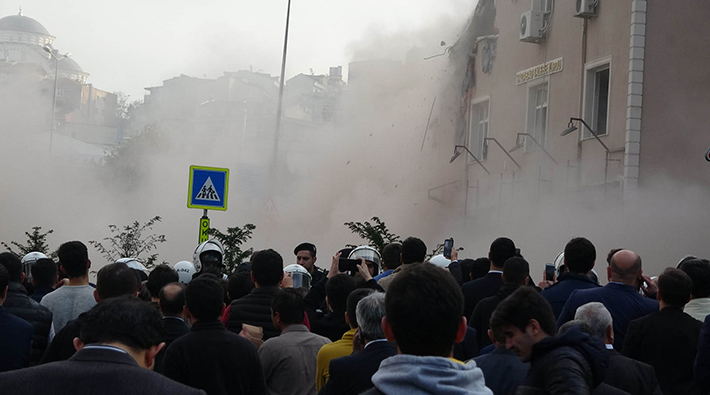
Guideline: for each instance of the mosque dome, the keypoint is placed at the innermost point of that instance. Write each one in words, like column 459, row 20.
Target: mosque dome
column 68, row 64
column 21, row 23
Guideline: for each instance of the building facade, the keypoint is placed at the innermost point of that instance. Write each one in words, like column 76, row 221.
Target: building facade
column 623, row 80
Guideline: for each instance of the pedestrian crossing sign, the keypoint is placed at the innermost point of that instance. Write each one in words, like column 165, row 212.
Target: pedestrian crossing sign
column 208, row 188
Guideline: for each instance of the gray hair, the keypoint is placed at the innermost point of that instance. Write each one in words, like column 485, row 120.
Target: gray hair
column 369, row 313
column 596, row 316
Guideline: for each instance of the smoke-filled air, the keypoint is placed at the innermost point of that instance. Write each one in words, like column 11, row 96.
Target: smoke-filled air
column 376, row 102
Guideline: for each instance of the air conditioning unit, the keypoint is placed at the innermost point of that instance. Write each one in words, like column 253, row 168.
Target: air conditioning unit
column 532, row 25
column 586, row 8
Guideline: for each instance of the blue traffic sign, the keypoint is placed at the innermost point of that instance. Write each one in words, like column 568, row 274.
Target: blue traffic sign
column 208, row 188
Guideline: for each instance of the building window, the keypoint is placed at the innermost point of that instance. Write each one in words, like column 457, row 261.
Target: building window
column 537, row 117
column 596, row 99
column 478, row 129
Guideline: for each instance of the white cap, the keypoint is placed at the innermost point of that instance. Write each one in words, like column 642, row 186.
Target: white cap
column 133, row 263
column 440, row 261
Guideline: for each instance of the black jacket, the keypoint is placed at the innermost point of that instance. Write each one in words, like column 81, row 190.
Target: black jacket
column 331, row 325
column 62, row 347
column 668, row 341
column 474, row 291
column 254, row 309
column 15, row 341
column 702, row 360
column 19, row 304
column 215, row 360
column 630, row 375
column 174, row 328
column 480, row 319
column 572, row 363
column 91, row 371
column 352, row 375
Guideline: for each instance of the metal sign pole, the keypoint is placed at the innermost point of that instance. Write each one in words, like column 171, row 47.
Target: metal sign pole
column 204, row 227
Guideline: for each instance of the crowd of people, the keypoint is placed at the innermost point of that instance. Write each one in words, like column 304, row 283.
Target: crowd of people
column 376, row 322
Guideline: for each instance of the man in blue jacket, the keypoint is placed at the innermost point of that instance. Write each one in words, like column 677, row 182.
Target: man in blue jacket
column 579, row 258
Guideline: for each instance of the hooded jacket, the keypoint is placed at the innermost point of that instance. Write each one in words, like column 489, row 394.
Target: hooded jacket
column 19, row 304
column 572, row 363
column 414, row 375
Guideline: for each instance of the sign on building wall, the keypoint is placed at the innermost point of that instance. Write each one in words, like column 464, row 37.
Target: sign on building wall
column 547, row 68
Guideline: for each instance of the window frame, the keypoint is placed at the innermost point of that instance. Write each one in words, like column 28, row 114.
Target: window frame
column 589, row 104
column 478, row 150
column 531, row 110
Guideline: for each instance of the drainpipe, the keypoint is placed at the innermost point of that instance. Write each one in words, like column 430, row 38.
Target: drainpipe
column 581, row 100
column 634, row 104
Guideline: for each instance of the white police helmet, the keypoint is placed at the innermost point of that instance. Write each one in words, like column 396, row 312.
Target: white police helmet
column 369, row 254
column 28, row 260
column 133, row 263
column 185, row 270
column 207, row 251
column 301, row 277
column 440, row 261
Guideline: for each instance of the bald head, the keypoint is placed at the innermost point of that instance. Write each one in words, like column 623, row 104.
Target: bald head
column 625, row 267
column 171, row 299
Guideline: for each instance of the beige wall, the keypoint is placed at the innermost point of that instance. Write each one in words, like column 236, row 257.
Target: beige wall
column 676, row 108
column 607, row 37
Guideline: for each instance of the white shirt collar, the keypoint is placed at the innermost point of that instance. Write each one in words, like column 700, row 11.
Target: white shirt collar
column 495, row 271
column 609, row 346
column 103, row 347
column 375, row 341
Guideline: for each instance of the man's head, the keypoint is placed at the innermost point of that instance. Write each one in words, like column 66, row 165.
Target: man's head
column 4, row 282
column 287, row 308
column 125, row 322
column 239, row 285
column 171, row 299
column 370, row 311
column 599, row 320
column 44, row 273
column 424, row 306
column 337, row 289
column 501, row 250
column 267, row 268
column 306, row 256
column 674, row 288
column 13, row 265
column 699, row 271
column 580, row 255
column 74, row 258
column 160, row 276
column 480, row 268
column 392, row 256
column 115, row 279
column 353, row 299
column 516, row 271
column 204, row 299
column 581, row 325
column 413, row 250
column 625, row 267
column 525, row 318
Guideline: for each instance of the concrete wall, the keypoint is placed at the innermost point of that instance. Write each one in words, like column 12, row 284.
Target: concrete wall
column 676, row 108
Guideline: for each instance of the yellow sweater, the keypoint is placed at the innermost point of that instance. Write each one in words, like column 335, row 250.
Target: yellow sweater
column 328, row 352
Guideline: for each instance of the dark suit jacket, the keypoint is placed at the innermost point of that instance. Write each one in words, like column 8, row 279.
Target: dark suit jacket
column 623, row 302
column 174, row 328
column 630, row 375
column 15, row 341
column 668, row 341
column 216, row 360
column 353, row 374
column 503, row 370
column 62, row 346
column 480, row 319
column 558, row 293
column 702, row 360
column 91, row 371
column 474, row 291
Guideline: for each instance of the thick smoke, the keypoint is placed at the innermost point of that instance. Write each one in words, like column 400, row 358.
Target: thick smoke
column 379, row 159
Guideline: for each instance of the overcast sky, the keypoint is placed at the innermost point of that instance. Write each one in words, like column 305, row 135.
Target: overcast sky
column 128, row 45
